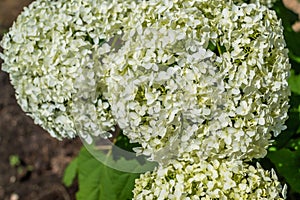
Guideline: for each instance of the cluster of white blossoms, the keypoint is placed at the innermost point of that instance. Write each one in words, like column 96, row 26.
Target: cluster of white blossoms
column 200, row 76
column 49, row 54
column 201, row 85
column 204, row 180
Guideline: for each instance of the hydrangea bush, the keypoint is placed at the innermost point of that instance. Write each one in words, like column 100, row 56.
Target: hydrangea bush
column 200, row 85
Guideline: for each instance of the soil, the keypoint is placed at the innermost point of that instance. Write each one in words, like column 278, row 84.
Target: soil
column 42, row 158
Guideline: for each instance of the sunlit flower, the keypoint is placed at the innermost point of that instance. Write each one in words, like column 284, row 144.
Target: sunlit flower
column 48, row 54
column 209, row 180
column 204, row 76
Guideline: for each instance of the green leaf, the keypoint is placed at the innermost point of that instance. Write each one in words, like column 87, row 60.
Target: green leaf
column 123, row 142
column 294, row 57
column 287, row 163
column 294, row 82
column 211, row 46
column 98, row 182
column 70, row 173
column 288, row 19
column 294, row 145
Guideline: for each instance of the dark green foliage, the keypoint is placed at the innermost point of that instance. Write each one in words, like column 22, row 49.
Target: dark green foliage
column 123, row 142
column 294, row 82
column 292, row 38
column 287, row 164
column 99, row 182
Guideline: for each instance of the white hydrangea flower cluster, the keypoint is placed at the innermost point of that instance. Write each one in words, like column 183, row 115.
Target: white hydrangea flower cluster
column 200, row 84
column 200, row 76
column 209, row 80
column 209, row 180
column 49, row 54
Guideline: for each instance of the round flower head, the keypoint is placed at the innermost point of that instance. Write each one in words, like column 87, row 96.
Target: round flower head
column 209, row 180
column 48, row 53
column 204, row 76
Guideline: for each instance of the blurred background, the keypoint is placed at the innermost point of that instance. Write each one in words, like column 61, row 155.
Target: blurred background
column 31, row 161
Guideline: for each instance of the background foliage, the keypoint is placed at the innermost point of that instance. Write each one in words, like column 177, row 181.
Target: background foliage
column 97, row 181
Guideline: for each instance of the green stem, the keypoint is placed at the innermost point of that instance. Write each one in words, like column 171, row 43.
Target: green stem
column 115, row 135
column 219, row 49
